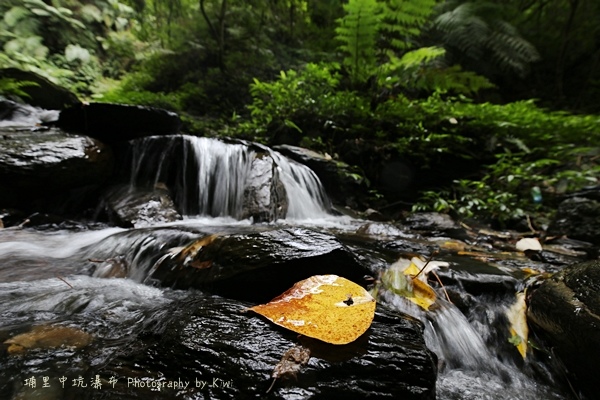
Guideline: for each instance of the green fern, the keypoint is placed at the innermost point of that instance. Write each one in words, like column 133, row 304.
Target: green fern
column 403, row 20
column 476, row 32
column 424, row 69
column 357, row 31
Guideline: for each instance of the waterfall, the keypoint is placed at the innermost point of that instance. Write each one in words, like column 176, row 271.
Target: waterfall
column 471, row 363
column 207, row 177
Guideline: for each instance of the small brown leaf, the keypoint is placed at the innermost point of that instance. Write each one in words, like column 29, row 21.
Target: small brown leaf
column 290, row 363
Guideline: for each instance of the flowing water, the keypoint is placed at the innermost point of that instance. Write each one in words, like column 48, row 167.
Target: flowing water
column 212, row 175
column 53, row 276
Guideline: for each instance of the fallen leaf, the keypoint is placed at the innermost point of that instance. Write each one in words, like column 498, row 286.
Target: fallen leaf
column 532, row 244
column 453, row 245
column 408, row 278
column 517, row 318
column 186, row 255
column 325, row 307
column 290, row 363
column 46, row 337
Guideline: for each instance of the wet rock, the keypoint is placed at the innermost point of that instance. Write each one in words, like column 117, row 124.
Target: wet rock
column 226, row 353
column 431, row 222
column 137, row 207
column 37, row 165
column 477, row 277
column 261, row 265
column 265, row 198
column 577, row 218
column 343, row 183
column 118, row 122
column 565, row 311
column 44, row 93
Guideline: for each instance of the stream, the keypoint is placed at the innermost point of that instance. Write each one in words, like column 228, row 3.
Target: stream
column 96, row 289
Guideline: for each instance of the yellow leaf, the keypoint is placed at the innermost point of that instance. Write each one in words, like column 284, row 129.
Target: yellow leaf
column 412, row 269
column 453, row 245
column 423, row 295
column 325, row 307
column 405, row 279
column 518, row 324
column 48, row 336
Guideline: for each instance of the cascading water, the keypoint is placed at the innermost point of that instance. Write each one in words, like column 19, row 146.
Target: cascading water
column 468, row 349
column 45, row 278
column 209, row 177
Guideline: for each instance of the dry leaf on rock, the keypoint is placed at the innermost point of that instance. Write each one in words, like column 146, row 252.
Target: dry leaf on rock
column 325, row 307
column 46, row 337
column 290, row 363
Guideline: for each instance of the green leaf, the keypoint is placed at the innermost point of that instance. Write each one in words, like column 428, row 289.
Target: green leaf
column 14, row 15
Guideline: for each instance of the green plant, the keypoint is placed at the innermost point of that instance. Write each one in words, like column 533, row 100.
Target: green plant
column 532, row 147
column 357, row 31
column 403, row 21
column 302, row 101
column 12, row 87
column 475, row 35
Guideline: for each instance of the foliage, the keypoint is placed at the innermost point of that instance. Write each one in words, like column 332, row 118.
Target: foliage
column 61, row 43
column 532, row 147
column 420, row 70
column 9, row 87
column 476, row 32
column 357, row 31
column 403, row 21
column 304, row 100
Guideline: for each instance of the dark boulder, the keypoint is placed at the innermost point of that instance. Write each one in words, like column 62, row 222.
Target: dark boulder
column 578, row 218
column 430, row 222
column 343, row 183
column 226, row 353
column 258, row 266
column 36, row 165
column 265, row 197
column 565, row 312
column 117, row 122
column 137, row 207
column 42, row 93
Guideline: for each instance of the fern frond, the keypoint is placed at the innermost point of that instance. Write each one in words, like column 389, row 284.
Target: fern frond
column 475, row 30
column 357, row 31
column 403, row 19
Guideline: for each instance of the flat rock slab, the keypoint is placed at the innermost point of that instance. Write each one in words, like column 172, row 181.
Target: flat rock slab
column 227, row 353
column 36, row 164
column 118, row 122
column 258, row 266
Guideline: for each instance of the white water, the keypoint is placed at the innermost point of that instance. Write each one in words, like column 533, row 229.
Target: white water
column 211, row 176
column 469, row 368
column 26, row 116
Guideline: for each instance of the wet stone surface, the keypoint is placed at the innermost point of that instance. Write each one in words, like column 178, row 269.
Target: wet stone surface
column 565, row 311
column 261, row 265
column 226, row 353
